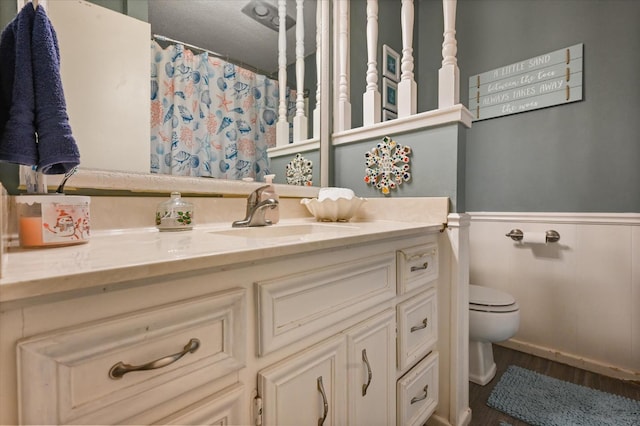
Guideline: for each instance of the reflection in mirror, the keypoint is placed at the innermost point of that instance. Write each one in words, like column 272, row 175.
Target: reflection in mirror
column 216, row 113
column 126, row 147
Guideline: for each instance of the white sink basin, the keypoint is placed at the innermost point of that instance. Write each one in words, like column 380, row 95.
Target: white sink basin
column 281, row 231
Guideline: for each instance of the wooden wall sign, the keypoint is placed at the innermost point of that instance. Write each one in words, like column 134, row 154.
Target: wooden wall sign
column 551, row 79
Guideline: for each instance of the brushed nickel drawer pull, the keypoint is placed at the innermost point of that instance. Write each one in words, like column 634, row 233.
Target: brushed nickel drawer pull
column 365, row 386
column 421, row 326
column 120, row 369
column 324, row 401
column 420, row 398
column 425, row 265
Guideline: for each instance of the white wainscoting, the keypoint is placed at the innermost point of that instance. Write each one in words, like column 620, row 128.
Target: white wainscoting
column 580, row 297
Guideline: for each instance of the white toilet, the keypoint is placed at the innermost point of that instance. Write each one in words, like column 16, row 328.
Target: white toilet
column 494, row 316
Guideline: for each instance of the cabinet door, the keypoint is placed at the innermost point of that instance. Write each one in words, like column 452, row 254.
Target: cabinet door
column 371, row 355
column 308, row 388
column 222, row 408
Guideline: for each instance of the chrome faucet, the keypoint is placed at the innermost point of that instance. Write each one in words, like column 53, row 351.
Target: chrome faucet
column 256, row 210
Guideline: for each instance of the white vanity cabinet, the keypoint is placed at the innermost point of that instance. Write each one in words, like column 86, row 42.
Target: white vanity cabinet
column 339, row 335
column 386, row 364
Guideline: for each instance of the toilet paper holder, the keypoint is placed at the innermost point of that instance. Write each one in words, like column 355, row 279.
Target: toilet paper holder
column 551, row 235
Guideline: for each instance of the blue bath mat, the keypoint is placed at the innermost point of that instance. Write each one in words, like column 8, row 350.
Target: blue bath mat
column 544, row 401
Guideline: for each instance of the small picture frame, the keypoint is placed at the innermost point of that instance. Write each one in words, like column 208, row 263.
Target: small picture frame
column 388, row 115
column 389, row 95
column 390, row 63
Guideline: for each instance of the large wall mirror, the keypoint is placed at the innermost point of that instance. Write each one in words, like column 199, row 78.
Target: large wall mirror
column 245, row 33
column 118, row 134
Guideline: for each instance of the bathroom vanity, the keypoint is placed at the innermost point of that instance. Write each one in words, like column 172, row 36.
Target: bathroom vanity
column 299, row 323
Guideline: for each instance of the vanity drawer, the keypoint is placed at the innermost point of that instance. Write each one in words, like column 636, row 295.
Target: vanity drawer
column 295, row 306
column 417, row 327
column 68, row 376
column 417, row 267
column 417, row 392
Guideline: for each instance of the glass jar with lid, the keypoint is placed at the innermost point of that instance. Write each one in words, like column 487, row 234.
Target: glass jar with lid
column 175, row 214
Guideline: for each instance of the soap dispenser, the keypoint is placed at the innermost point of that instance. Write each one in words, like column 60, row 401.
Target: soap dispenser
column 271, row 214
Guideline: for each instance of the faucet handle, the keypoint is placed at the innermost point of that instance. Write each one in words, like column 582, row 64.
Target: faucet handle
column 254, row 198
column 260, row 190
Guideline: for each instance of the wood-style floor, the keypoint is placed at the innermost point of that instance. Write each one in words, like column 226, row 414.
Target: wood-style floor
column 482, row 415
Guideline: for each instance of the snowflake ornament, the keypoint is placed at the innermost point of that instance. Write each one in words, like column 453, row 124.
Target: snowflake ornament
column 300, row 171
column 387, row 165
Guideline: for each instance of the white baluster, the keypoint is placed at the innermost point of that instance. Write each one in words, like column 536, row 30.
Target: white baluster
column 300, row 125
column 326, row 76
column 371, row 104
column 282, row 126
column 319, row 30
column 407, row 88
column 449, row 74
column 343, row 119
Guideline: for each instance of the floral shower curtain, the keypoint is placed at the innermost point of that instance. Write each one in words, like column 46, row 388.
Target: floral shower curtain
column 209, row 117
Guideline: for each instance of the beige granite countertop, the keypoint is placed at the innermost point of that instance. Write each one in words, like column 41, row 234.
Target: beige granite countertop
column 113, row 256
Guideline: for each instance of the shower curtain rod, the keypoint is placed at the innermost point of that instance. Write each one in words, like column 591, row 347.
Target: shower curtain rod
column 217, row 55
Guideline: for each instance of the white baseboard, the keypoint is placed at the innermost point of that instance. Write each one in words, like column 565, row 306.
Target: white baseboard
column 436, row 420
column 572, row 360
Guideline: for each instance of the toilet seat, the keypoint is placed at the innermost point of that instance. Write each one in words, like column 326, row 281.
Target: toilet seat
column 486, row 299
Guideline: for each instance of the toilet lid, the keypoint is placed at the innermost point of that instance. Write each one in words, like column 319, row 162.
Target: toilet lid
column 486, row 296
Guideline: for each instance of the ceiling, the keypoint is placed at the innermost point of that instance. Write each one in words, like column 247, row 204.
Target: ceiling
column 221, row 27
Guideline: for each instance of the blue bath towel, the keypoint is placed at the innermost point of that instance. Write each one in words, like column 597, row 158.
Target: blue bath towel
column 37, row 105
column 17, row 101
column 58, row 152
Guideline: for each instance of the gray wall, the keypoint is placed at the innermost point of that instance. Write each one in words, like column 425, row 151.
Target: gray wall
column 578, row 157
column 436, row 153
